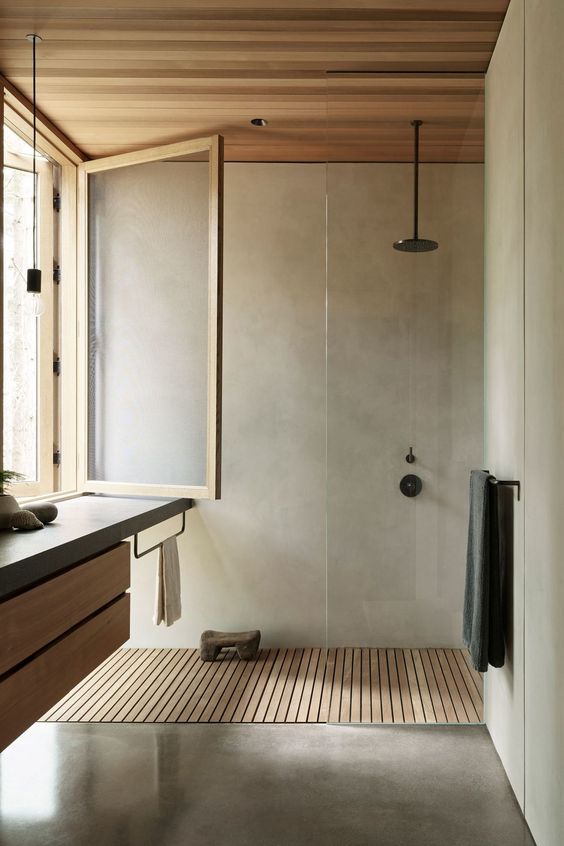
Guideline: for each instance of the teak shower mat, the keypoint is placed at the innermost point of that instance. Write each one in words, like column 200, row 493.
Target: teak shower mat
column 348, row 685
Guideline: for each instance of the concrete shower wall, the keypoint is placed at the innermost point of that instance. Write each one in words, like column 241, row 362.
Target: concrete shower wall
column 405, row 367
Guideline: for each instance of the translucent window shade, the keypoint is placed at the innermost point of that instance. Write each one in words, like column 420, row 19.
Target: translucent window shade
column 148, row 324
column 20, row 328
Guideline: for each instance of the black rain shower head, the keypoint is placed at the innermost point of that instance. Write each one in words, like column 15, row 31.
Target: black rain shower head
column 416, row 244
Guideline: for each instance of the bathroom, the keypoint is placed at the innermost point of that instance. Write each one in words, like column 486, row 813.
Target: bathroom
column 285, row 312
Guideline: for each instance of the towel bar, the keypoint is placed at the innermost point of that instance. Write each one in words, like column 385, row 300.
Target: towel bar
column 138, row 554
column 512, row 483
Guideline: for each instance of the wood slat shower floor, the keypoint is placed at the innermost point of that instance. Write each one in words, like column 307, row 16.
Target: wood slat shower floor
column 347, row 685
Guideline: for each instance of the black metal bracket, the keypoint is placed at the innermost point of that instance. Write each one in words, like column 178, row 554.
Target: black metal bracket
column 138, row 554
column 512, row 483
column 410, row 458
column 509, row 483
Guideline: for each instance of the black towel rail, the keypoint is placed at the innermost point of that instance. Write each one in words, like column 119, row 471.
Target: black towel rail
column 156, row 546
column 509, row 482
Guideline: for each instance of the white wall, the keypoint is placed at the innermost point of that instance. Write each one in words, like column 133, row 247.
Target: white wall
column 504, row 365
column 405, row 367
column 525, row 108
column 544, row 420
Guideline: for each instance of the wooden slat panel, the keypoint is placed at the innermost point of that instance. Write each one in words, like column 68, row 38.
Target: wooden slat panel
column 421, row 657
column 184, row 679
column 278, row 690
column 41, row 614
column 163, row 693
column 405, row 690
column 29, row 691
column 92, row 682
column 450, row 661
column 297, row 693
column 143, row 75
column 254, row 679
column 461, row 715
column 337, row 688
column 477, row 677
column 205, row 688
column 198, row 675
column 414, row 691
column 135, row 705
column 327, row 685
column 259, row 690
column 122, row 683
column 309, row 682
column 216, row 684
column 387, row 712
column 346, row 688
column 231, row 691
column 239, row 691
column 366, row 703
column 289, row 687
column 270, row 686
column 375, row 691
column 122, row 701
column 397, row 710
column 356, row 687
column 474, row 691
column 349, row 685
column 442, row 685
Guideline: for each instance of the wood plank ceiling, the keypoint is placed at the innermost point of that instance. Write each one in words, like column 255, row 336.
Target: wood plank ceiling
column 118, row 75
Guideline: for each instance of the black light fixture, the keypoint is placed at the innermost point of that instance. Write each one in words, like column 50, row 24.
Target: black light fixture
column 416, row 244
column 259, row 122
column 34, row 273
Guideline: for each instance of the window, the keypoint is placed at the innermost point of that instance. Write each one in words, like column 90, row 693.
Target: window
column 29, row 383
column 120, row 375
column 151, row 301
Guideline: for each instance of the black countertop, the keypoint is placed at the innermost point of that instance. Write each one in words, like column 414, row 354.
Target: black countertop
column 85, row 526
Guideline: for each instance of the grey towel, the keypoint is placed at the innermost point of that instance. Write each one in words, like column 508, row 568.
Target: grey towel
column 483, row 619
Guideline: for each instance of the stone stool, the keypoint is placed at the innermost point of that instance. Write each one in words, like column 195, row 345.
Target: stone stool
column 246, row 643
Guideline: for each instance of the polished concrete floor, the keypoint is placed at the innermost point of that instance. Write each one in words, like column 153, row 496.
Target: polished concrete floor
column 251, row 785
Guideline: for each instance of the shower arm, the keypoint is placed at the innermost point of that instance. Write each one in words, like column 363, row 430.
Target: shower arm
column 416, row 124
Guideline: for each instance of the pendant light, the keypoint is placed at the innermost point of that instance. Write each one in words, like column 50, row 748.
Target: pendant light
column 34, row 273
column 416, row 244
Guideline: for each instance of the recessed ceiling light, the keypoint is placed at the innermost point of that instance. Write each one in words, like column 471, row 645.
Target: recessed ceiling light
column 259, row 122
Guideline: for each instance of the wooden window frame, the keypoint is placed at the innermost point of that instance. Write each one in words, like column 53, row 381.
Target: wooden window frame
column 213, row 146
column 15, row 111
column 46, row 387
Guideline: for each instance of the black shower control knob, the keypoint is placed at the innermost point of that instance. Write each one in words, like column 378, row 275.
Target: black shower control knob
column 411, row 485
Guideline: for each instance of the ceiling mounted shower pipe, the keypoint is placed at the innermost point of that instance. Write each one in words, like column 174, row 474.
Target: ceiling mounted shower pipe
column 416, row 244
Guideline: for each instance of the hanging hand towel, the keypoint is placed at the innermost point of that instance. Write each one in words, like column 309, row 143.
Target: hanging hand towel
column 168, row 606
column 483, row 619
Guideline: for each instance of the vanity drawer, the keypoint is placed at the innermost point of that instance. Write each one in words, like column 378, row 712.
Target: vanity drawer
column 27, row 692
column 39, row 615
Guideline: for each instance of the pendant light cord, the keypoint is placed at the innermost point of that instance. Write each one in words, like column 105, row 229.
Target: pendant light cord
column 34, row 42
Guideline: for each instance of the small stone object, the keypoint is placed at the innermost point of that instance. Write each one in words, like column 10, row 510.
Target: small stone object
column 246, row 643
column 25, row 521
column 44, row 511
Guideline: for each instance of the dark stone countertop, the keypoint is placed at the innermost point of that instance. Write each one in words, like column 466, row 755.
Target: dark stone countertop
column 85, row 526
